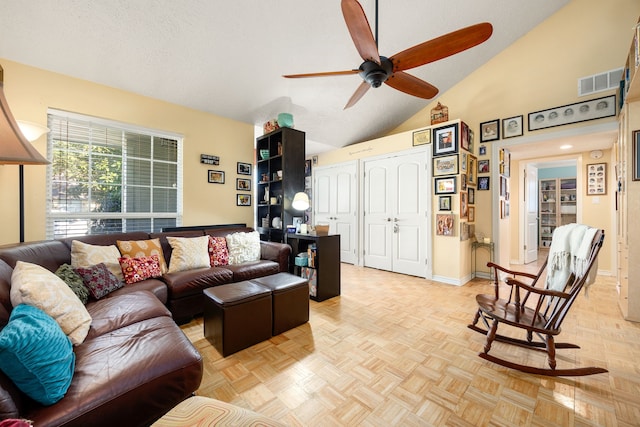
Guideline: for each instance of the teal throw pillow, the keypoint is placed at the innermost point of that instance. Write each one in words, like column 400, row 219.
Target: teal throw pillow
column 74, row 281
column 36, row 354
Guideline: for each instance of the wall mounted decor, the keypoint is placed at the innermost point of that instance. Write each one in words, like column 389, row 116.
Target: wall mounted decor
column 208, row 159
column 244, row 168
column 483, row 166
column 472, row 196
column 445, row 165
column 445, row 140
column 482, row 150
column 512, row 127
column 243, row 184
column 464, row 136
column 464, row 231
column 472, row 214
column 464, row 206
column 216, row 177
column 445, row 185
column 243, row 199
column 573, row 113
column 483, row 183
column 439, row 114
column 472, row 164
column 444, row 224
column 596, row 179
column 444, row 203
column 421, row 137
column 490, row 131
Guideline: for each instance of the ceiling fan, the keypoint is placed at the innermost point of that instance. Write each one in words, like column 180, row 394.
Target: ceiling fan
column 377, row 69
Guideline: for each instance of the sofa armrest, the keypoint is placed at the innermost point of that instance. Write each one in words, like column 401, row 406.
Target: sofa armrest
column 278, row 252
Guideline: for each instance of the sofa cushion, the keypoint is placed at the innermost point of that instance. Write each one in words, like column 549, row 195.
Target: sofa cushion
column 74, row 281
column 99, row 280
column 243, row 247
column 218, row 252
column 37, row 286
column 142, row 248
column 192, row 282
column 253, row 269
column 84, row 255
column 136, row 270
column 188, row 253
column 120, row 310
column 36, row 354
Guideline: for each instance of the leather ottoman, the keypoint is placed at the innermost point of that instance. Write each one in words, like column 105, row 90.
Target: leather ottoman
column 237, row 316
column 290, row 299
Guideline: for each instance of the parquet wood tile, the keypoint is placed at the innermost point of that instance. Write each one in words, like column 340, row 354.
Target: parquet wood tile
column 394, row 350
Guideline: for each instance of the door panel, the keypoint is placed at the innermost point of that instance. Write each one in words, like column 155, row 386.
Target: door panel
column 336, row 204
column 395, row 223
column 531, row 203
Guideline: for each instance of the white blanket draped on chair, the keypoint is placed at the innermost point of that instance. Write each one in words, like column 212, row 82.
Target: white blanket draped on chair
column 569, row 253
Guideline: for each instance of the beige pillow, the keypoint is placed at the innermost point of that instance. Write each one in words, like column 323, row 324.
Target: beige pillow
column 243, row 247
column 35, row 285
column 142, row 248
column 188, row 253
column 84, row 255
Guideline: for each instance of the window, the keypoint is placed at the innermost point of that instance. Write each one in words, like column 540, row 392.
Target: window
column 107, row 177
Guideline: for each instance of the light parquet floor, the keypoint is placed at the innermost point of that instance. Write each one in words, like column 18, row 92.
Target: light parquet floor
column 394, row 350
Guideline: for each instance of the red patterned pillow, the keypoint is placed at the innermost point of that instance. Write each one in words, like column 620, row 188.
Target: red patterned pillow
column 99, row 280
column 138, row 269
column 218, row 252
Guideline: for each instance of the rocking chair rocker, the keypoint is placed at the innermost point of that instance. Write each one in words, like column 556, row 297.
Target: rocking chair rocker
column 542, row 317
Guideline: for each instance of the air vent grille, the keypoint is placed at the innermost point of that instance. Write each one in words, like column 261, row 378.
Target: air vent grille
column 599, row 82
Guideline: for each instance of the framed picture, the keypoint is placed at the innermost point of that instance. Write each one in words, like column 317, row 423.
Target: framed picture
column 483, row 183
column 445, row 185
column 444, row 225
column 636, row 155
column 421, row 137
column 463, row 161
column 307, row 167
column 243, row 184
column 243, row 199
column 483, row 166
column 490, row 131
column 472, row 196
column 445, row 140
column 573, row 113
column 482, row 150
column 596, row 179
column 464, row 206
column 445, row 165
column 216, row 177
column 244, row 168
column 464, row 136
column 444, row 203
column 512, row 127
column 472, row 214
column 464, row 231
column 471, row 140
column 463, row 182
column 471, row 170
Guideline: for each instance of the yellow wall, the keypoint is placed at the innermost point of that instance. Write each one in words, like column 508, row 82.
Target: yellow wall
column 538, row 71
column 30, row 91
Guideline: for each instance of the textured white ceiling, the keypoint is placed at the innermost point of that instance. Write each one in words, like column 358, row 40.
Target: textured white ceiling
column 228, row 57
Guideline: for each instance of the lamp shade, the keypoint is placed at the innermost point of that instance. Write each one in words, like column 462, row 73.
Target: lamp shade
column 14, row 147
column 300, row 201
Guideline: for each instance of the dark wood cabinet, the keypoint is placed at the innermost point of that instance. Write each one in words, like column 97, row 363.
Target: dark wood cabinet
column 323, row 270
column 280, row 175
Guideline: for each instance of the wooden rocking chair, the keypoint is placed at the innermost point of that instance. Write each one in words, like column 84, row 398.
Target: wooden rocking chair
column 542, row 317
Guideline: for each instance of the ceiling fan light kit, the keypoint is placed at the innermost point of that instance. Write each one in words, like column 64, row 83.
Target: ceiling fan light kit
column 376, row 69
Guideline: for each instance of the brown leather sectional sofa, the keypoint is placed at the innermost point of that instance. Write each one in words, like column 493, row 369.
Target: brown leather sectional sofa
column 136, row 363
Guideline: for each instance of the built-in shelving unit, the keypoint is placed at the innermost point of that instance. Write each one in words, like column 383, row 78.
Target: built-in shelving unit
column 280, row 175
column 557, row 206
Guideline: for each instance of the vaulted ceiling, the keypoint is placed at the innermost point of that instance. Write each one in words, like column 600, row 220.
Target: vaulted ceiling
column 228, row 57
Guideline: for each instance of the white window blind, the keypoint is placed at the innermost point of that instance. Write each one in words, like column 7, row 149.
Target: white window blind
column 107, row 177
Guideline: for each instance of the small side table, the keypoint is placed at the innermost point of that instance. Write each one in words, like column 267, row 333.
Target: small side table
column 474, row 252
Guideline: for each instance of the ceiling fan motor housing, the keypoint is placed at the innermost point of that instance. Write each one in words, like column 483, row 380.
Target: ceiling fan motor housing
column 376, row 74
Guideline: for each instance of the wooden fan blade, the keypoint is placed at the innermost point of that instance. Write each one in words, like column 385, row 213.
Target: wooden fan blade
column 441, row 47
column 324, row 74
column 412, row 85
column 359, row 93
column 360, row 30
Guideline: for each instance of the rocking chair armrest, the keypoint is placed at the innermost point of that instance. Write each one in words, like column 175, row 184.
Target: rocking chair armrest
column 548, row 292
column 512, row 272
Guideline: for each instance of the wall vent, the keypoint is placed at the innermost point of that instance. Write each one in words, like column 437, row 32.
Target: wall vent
column 599, row 82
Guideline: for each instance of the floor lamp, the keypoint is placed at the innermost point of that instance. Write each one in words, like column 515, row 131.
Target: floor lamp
column 15, row 149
